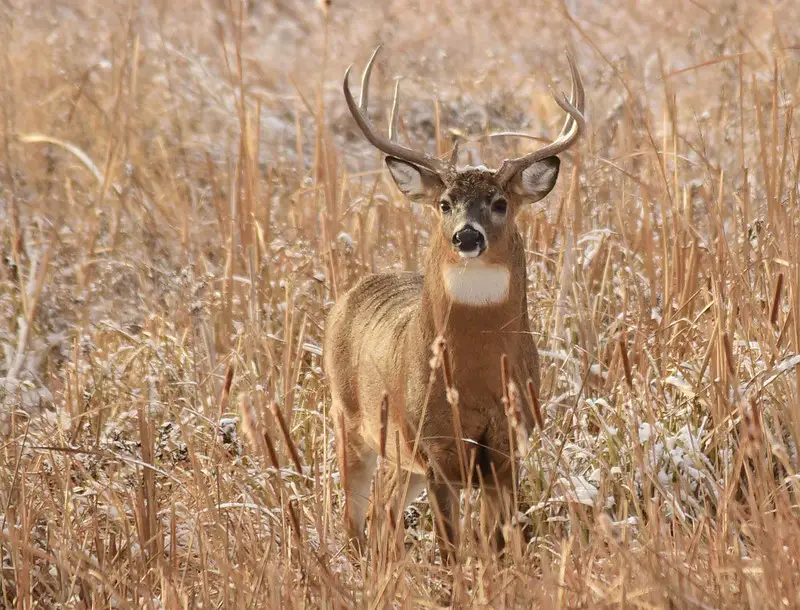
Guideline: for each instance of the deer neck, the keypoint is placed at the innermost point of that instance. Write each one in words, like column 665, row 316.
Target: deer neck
column 477, row 299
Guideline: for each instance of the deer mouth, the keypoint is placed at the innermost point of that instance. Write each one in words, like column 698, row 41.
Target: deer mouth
column 468, row 254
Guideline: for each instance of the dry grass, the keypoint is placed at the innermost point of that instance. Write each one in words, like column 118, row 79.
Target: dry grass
column 183, row 195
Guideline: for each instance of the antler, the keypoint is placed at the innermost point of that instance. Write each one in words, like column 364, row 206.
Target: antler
column 570, row 132
column 388, row 145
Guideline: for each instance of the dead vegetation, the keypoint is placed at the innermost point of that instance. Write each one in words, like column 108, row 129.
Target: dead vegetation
column 183, row 195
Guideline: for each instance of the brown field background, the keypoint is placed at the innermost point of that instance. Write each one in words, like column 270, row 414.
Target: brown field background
column 183, row 195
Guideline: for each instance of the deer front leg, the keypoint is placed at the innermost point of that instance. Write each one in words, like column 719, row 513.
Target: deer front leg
column 495, row 512
column 357, row 463
column 402, row 488
column 497, row 484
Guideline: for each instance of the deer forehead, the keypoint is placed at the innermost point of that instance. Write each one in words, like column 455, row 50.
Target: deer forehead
column 470, row 182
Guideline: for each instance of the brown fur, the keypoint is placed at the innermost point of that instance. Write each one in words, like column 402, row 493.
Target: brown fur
column 379, row 338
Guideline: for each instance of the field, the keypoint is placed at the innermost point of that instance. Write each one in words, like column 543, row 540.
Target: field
column 183, row 195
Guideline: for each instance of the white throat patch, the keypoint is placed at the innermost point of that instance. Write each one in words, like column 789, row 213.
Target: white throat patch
column 476, row 283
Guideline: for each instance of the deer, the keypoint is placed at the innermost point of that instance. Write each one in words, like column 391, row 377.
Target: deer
column 470, row 298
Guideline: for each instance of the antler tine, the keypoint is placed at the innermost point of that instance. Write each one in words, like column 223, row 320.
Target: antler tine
column 359, row 112
column 454, row 157
column 576, row 96
column 569, row 120
column 574, row 125
column 393, row 116
column 363, row 98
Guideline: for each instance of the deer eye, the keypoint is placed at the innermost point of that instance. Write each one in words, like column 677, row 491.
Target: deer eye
column 445, row 206
column 499, row 207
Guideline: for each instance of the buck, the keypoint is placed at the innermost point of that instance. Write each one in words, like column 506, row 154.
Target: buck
column 472, row 298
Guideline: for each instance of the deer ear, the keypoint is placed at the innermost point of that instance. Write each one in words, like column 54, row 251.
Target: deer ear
column 415, row 182
column 535, row 181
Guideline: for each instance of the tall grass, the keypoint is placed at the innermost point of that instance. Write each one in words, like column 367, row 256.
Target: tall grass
column 183, row 195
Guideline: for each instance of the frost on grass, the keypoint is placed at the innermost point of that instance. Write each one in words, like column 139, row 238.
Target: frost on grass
column 242, row 200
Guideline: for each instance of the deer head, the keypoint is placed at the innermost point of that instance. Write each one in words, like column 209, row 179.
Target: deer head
column 476, row 206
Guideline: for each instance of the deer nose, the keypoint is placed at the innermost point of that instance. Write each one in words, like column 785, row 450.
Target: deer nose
column 469, row 239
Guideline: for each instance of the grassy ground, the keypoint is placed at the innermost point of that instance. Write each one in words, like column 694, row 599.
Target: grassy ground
column 183, row 195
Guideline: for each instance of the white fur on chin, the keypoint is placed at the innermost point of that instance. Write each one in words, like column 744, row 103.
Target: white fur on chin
column 476, row 283
column 469, row 254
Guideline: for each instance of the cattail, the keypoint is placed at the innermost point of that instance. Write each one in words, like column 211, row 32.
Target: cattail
column 514, row 414
column 294, row 519
column 447, row 373
column 226, row 388
column 776, row 300
column 273, row 455
column 752, row 424
column 451, row 395
column 512, row 404
column 287, row 438
column 535, row 407
column 438, row 347
column 626, row 365
column 728, row 353
column 504, row 376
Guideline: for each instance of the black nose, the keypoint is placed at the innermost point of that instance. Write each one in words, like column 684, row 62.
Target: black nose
column 468, row 239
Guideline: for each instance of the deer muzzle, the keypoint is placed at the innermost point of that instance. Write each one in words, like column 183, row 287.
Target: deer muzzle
column 469, row 241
